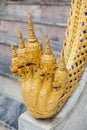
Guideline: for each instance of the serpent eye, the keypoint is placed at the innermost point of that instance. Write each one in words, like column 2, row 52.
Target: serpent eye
column 57, row 87
column 29, row 64
column 42, row 75
column 20, row 66
column 14, row 72
column 48, row 73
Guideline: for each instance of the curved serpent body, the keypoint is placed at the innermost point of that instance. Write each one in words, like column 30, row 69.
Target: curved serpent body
column 46, row 85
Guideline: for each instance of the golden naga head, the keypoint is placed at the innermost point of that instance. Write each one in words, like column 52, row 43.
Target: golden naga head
column 61, row 73
column 33, row 45
column 48, row 60
column 39, row 68
column 28, row 54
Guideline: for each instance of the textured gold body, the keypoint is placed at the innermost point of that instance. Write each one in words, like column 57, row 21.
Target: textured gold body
column 46, row 85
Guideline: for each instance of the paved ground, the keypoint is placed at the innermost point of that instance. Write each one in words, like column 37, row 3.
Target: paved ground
column 3, row 128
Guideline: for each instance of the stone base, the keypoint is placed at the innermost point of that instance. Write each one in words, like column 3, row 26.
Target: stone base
column 72, row 117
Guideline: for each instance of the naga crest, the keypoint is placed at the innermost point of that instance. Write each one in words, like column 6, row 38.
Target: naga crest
column 46, row 84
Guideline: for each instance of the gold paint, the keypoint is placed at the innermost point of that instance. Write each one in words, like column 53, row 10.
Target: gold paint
column 14, row 53
column 47, row 60
column 21, row 42
column 14, row 66
column 46, row 85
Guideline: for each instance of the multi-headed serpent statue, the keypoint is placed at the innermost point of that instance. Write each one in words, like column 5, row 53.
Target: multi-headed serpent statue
column 46, row 85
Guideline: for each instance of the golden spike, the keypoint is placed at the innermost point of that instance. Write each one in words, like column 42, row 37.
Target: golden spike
column 21, row 42
column 14, row 53
column 30, row 24
column 61, row 64
column 62, row 53
column 48, row 48
column 32, row 36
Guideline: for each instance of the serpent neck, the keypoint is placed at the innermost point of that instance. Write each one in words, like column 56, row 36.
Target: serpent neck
column 72, row 30
column 78, row 55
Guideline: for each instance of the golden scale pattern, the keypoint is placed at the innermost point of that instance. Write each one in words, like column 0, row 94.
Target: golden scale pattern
column 45, row 84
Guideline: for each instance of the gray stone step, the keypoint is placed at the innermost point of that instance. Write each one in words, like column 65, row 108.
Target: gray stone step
column 39, row 2
column 6, row 40
column 41, row 9
column 10, row 110
column 9, row 85
column 53, row 27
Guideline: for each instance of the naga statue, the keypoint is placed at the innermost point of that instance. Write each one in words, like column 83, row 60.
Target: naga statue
column 46, row 83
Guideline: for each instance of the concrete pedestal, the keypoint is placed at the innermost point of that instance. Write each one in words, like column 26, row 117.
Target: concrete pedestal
column 72, row 117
